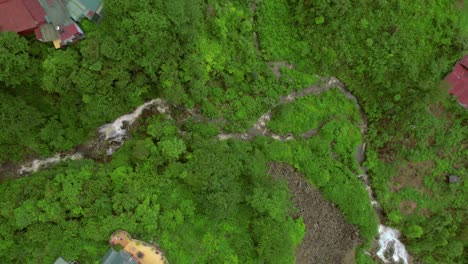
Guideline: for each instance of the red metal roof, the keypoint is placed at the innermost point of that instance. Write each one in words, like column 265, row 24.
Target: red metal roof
column 458, row 80
column 69, row 31
column 464, row 61
column 38, row 33
column 36, row 10
column 21, row 16
column 29, row 16
column 14, row 16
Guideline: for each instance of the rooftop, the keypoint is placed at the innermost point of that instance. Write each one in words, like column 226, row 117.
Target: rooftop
column 142, row 252
column 15, row 16
column 114, row 257
column 49, row 20
column 458, row 80
column 57, row 15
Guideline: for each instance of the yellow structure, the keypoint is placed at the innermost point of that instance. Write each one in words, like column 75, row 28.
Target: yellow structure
column 57, row 43
column 140, row 251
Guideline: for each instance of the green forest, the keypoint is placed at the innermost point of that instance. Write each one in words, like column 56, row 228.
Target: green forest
column 206, row 200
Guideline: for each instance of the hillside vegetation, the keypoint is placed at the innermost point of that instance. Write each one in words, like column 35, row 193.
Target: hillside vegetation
column 210, row 201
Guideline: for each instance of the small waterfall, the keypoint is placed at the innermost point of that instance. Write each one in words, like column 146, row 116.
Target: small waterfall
column 388, row 237
column 388, row 242
column 113, row 135
column 117, row 132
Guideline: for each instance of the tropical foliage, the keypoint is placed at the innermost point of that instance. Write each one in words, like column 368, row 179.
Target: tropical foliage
column 209, row 201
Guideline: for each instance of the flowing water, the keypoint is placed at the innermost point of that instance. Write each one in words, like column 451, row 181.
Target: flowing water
column 117, row 131
column 390, row 246
column 114, row 134
column 39, row 164
column 388, row 239
column 391, row 250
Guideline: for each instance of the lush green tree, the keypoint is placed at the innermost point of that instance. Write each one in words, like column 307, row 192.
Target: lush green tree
column 15, row 68
column 20, row 122
column 206, row 207
column 196, row 193
column 57, row 70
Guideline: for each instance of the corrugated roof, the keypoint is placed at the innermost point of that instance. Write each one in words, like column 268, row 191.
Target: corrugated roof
column 56, row 12
column 36, row 11
column 464, row 61
column 28, row 16
column 48, row 33
column 15, row 17
column 68, row 32
column 80, row 9
column 38, row 34
column 114, row 257
column 76, row 9
column 91, row 4
column 458, row 80
column 60, row 261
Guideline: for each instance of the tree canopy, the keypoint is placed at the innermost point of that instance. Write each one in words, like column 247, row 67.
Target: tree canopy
column 211, row 201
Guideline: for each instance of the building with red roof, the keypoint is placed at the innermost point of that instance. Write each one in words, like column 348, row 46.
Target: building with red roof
column 50, row 20
column 458, row 80
column 21, row 16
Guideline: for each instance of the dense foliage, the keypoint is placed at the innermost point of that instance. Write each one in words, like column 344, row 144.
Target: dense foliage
column 201, row 199
column 392, row 55
column 208, row 202
column 203, row 55
column 313, row 112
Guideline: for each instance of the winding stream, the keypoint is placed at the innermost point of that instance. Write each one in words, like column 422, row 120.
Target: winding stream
column 117, row 131
column 112, row 136
column 391, row 250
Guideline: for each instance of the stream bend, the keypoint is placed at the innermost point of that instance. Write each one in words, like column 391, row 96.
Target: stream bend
column 112, row 136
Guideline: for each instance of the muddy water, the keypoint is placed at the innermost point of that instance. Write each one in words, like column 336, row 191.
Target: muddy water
column 113, row 135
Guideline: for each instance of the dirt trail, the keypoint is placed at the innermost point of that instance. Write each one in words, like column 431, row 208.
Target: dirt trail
column 329, row 238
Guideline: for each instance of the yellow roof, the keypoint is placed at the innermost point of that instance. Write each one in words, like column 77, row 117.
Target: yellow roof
column 143, row 252
column 57, row 43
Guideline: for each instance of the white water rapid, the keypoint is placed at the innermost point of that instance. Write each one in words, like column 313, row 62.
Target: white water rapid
column 389, row 239
column 114, row 133
column 117, row 131
column 38, row 164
